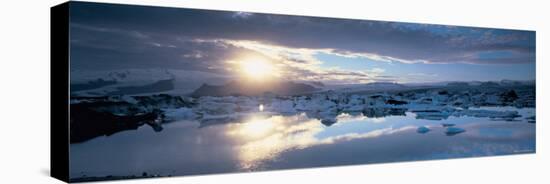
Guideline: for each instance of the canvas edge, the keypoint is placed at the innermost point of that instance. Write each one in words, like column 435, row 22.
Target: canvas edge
column 59, row 91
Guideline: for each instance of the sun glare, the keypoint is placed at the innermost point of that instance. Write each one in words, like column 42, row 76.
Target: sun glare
column 257, row 127
column 257, row 69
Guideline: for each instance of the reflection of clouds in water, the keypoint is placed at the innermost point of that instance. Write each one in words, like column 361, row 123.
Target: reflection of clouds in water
column 266, row 138
column 346, row 117
column 374, row 133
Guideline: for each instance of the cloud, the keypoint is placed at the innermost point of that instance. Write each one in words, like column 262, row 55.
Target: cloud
column 382, row 41
column 301, row 64
column 194, row 54
column 103, row 45
column 114, row 36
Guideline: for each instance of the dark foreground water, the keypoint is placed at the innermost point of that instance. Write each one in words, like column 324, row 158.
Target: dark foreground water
column 266, row 142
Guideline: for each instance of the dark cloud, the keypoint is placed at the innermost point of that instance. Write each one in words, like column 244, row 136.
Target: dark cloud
column 109, row 48
column 108, row 35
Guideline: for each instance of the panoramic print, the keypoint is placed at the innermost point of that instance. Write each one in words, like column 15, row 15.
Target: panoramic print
column 158, row 92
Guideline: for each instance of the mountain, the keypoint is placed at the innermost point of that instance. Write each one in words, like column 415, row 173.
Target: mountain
column 374, row 86
column 132, row 76
column 159, row 86
column 94, row 84
column 253, row 89
column 140, row 81
column 316, row 84
column 384, row 85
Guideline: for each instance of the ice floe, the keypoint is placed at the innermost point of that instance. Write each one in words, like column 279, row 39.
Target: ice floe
column 422, row 130
column 450, row 131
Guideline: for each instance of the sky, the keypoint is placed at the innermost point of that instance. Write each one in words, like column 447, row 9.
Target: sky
column 335, row 51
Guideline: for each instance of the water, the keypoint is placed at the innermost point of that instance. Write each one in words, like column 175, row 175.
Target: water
column 262, row 142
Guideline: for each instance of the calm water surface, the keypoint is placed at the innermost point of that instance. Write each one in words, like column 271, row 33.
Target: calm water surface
column 262, row 142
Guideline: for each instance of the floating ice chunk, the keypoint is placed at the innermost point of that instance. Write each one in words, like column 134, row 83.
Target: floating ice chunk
column 488, row 113
column 129, row 99
column 447, row 124
column 282, row 106
column 382, row 112
column 453, row 131
column 75, row 101
column 396, row 102
column 415, row 107
column 432, row 115
column 431, row 112
column 354, row 108
column 492, row 99
column 179, row 113
column 531, row 119
column 425, row 100
column 355, row 100
column 326, row 104
column 328, row 121
column 214, row 108
column 422, row 130
column 314, row 104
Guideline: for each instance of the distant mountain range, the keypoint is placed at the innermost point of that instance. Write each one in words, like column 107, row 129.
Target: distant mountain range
column 140, row 81
column 504, row 82
column 368, row 87
column 199, row 83
column 253, row 89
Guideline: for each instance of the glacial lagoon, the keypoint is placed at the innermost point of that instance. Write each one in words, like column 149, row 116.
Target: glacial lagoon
column 266, row 141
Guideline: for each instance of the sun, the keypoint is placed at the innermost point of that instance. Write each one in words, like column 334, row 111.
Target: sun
column 257, row 69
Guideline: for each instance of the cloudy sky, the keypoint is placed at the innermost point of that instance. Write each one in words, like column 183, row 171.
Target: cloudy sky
column 112, row 37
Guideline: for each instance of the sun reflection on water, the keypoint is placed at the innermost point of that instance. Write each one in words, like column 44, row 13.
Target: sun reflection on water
column 264, row 138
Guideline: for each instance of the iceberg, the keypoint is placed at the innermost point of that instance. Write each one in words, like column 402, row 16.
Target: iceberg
column 283, row 106
column 422, row 130
column 453, row 131
column 504, row 115
column 179, row 114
